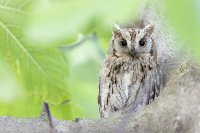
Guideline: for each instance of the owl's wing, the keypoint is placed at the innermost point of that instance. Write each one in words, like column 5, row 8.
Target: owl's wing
column 103, row 96
column 147, row 91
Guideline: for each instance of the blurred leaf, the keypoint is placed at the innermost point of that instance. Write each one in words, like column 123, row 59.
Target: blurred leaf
column 56, row 21
column 84, row 63
column 67, row 111
column 42, row 72
column 184, row 15
column 47, row 79
column 14, row 101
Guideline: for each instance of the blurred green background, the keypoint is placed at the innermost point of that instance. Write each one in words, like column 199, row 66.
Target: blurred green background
column 52, row 50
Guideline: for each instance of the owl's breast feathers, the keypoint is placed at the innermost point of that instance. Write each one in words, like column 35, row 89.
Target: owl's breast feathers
column 127, row 83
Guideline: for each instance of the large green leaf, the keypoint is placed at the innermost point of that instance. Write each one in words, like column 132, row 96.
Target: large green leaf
column 84, row 61
column 42, row 72
column 14, row 101
column 60, row 21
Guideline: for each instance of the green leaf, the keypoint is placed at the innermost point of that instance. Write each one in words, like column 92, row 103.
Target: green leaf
column 60, row 21
column 84, row 62
column 67, row 111
column 42, row 72
column 14, row 101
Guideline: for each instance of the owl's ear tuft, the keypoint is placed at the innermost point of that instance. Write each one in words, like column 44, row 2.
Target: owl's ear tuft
column 149, row 29
column 116, row 29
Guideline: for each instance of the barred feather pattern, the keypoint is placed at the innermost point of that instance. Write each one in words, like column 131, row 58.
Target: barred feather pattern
column 127, row 83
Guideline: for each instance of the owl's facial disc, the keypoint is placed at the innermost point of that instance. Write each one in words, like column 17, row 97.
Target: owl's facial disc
column 132, row 42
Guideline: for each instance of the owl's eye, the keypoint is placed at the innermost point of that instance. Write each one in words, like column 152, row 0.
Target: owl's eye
column 142, row 42
column 123, row 43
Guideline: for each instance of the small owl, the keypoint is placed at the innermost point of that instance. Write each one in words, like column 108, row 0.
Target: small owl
column 130, row 75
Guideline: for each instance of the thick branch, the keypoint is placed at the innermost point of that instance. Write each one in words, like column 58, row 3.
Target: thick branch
column 176, row 110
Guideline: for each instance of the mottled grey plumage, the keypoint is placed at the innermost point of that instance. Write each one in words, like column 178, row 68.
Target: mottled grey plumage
column 130, row 74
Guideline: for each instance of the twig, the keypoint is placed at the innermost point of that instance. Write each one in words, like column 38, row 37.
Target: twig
column 52, row 128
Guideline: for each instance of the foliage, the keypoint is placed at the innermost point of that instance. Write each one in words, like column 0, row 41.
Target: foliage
column 31, row 66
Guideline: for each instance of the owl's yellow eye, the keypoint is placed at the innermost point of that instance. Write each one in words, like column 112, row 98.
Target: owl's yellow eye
column 123, row 43
column 142, row 42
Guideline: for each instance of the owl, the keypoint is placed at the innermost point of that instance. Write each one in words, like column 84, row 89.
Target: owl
column 130, row 75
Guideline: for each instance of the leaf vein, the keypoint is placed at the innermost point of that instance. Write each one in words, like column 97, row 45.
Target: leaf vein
column 24, row 4
column 22, row 47
column 14, row 10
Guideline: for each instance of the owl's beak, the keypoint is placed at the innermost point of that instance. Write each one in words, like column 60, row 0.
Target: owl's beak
column 133, row 52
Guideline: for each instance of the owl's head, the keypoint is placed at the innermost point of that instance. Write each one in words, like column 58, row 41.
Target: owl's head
column 132, row 42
